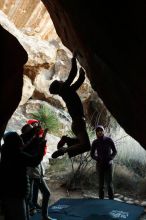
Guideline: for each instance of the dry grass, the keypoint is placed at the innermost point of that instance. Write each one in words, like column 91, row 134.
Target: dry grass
column 142, row 188
column 125, row 179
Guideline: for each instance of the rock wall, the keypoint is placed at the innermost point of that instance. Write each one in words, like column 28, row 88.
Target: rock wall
column 46, row 62
column 31, row 17
column 111, row 42
column 110, row 38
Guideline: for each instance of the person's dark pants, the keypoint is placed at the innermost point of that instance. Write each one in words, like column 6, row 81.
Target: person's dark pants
column 105, row 175
column 40, row 184
column 81, row 143
column 30, row 198
column 27, row 208
column 15, row 209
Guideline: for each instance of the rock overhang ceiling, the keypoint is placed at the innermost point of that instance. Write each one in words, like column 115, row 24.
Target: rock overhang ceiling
column 111, row 39
column 111, row 43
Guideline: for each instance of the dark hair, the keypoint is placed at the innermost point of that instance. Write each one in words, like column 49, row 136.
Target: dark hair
column 26, row 128
column 27, row 132
column 12, row 141
column 54, row 87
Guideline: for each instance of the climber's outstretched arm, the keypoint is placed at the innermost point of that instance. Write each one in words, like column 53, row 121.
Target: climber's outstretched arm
column 73, row 71
column 80, row 80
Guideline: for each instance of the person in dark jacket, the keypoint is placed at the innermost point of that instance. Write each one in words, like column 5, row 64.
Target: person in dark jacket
column 68, row 93
column 37, row 181
column 14, row 184
column 103, row 150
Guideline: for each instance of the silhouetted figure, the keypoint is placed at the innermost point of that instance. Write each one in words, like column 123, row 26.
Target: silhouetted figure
column 36, row 175
column 67, row 91
column 103, row 151
column 14, row 184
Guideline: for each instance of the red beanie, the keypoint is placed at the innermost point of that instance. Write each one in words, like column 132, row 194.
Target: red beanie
column 41, row 132
column 31, row 121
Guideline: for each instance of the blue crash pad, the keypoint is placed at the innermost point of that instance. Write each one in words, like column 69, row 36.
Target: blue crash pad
column 92, row 209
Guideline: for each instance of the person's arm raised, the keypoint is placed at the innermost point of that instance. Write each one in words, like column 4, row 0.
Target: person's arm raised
column 73, row 71
column 80, row 80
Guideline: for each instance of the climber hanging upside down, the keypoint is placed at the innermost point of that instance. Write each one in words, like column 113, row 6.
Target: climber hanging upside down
column 67, row 91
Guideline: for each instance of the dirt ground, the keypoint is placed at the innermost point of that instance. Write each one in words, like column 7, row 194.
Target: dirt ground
column 59, row 192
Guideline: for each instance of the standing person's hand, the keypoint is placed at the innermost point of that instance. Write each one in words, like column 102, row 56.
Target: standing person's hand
column 45, row 133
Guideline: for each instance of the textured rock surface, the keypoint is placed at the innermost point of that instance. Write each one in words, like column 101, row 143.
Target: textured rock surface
column 39, row 51
column 30, row 17
column 111, row 41
column 46, row 62
column 27, row 91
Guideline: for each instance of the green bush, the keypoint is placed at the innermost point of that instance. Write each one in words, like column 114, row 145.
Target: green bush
column 48, row 119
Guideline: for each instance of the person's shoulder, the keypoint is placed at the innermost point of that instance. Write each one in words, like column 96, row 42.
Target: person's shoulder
column 94, row 141
column 10, row 133
column 108, row 138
